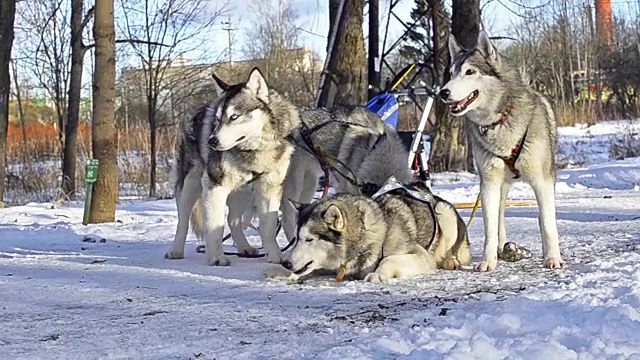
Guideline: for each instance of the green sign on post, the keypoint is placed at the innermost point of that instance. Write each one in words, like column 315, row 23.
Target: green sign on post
column 90, row 177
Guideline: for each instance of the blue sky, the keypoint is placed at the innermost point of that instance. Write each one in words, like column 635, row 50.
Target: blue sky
column 498, row 16
column 314, row 19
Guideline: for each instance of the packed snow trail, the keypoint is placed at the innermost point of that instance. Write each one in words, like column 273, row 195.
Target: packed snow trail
column 65, row 298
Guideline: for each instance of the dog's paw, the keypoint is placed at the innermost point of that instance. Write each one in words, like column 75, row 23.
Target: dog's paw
column 247, row 251
column 376, row 278
column 275, row 259
column 219, row 261
column 486, row 266
column 174, row 255
column 451, row 264
column 554, row 263
column 278, row 272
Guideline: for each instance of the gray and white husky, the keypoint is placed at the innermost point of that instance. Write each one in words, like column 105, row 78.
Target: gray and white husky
column 358, row 146
column 390, row 235
column 249, row 141
column 513, row 132
column 237, row 149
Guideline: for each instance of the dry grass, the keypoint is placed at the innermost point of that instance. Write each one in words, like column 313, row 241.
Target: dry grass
column 35, row 171
column 579, row 114
column 34, row 166
column 626, row 145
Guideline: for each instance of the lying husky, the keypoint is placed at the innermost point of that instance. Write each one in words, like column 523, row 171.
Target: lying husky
column 401, row 232
column 362, row 153
column 513, row 135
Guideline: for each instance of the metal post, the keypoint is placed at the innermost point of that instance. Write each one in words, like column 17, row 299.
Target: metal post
column 373, row 71
column 90, row 177
column 229, row 29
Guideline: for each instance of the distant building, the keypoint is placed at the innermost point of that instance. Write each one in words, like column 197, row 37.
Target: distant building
column 182, row 81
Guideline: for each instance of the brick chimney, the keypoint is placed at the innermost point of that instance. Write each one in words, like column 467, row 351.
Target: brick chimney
column 604, row 23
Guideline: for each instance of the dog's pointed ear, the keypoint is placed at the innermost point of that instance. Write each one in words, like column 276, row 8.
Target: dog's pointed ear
column 486, row 48
column 334, row 218
column 297, row 205
column 454, row 47
column 220, row 85
column 257, row 85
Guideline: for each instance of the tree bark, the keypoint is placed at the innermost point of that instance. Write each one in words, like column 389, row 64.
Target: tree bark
column 350, row 67
column 7, row 17
column 450, row 146
column 73, row 98
column 153, row 136
column 21, row 116
column 104, row 134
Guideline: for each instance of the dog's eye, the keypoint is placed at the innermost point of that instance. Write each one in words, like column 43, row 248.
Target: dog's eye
column 470, row 72
column 233, row 117
column 308, row 239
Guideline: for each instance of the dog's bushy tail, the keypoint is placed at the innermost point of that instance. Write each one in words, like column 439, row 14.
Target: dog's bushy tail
column 197, row 219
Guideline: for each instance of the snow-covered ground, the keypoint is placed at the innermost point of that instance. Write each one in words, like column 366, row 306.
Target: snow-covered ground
column 65, row 297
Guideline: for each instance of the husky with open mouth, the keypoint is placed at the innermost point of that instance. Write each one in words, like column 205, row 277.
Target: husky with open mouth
column 401, row 232
column 513, row 132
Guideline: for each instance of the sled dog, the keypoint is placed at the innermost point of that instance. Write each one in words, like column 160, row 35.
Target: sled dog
column 402, row 231
column 361, row 151
column 237, row 148
column 513, row 132
column 264, row 136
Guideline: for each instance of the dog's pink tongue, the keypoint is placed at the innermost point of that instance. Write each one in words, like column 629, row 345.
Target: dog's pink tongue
column 455, row 107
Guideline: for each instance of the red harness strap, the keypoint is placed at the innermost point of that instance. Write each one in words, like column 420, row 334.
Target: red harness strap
column 503, row 117
column 510, row 160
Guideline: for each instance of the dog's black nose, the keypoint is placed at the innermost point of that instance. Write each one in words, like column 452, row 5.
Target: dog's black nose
column 287, row 264
column 445, row 93
column 213, row 142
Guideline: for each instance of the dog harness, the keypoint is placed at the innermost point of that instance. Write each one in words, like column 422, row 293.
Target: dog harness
column 510, row 160
column 393, row 185
column 325, row 160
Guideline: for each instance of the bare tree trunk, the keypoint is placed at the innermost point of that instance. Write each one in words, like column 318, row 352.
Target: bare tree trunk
column 104, row 134
column 7, row 17
column 151, row 110
column 73, row 108
column 450, row 146
column 18, row 95
column 350, row 69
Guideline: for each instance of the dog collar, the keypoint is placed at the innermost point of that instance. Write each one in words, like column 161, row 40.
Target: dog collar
column 503, row 117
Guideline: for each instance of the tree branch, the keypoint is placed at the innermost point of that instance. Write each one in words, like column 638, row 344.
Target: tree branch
column 131, row 41
column 87, row 17
column 502, row 38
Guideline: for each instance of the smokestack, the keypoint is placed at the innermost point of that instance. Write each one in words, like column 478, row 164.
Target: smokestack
column 604, row 23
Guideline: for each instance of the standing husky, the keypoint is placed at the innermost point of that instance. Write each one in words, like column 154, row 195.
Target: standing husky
column 248, row 148
column 513, row 136
column 393, row 235
column 187, row 173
